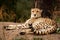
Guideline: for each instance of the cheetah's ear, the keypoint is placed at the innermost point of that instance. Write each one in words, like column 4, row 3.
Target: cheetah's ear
column 41, row 10
column 36, row 9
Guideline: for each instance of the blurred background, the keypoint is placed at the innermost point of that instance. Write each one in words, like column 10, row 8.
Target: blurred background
column 19, row 10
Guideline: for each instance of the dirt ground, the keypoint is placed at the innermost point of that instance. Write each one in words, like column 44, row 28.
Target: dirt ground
column 11, row 34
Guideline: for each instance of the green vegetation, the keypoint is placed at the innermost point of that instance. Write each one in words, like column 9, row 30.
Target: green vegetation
column 23, row 9
column 58, row 30
column 15, row 10
column 58, row 19
column 19, row 10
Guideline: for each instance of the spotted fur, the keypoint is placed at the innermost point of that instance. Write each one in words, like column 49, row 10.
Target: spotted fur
column 40, row 25
column 44, row 26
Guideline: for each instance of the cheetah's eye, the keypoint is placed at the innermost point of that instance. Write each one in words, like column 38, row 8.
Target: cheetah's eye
column 37, row 11
column 32, row 11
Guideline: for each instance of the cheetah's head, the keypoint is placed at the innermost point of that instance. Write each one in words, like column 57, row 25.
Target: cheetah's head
column 35, row 13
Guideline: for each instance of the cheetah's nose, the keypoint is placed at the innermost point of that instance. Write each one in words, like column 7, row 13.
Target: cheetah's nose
column 34, row 14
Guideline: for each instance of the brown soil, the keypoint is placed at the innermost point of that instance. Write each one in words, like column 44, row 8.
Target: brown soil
column 11, row 34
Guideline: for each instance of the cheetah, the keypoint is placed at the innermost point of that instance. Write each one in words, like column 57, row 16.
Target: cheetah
column 37, row 24
column 40, row 25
